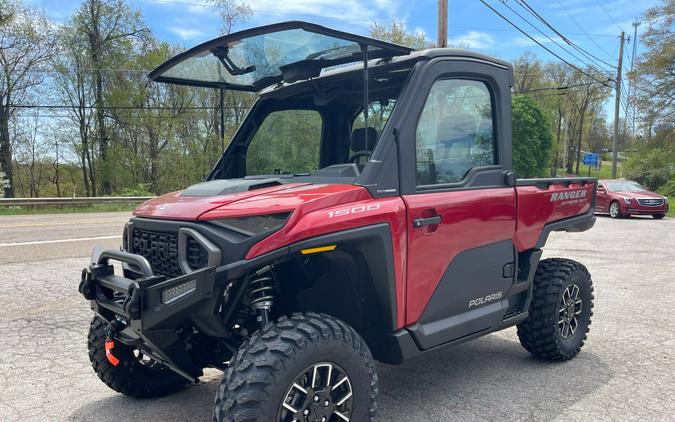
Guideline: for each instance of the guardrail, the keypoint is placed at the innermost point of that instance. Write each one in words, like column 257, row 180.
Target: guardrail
column 20, row 202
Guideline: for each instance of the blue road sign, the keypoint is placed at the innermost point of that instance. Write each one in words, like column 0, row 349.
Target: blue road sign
column 591, row 159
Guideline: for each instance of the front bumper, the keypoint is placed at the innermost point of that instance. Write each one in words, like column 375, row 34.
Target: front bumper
column 147, row 318
column 137, row 303
column 637, row 209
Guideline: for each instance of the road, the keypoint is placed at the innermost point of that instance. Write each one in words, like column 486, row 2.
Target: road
column 626, row 371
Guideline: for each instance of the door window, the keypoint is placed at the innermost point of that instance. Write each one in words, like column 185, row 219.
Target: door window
column 455, row 132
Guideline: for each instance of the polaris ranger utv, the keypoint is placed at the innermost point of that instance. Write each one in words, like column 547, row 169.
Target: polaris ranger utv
column 366, row 209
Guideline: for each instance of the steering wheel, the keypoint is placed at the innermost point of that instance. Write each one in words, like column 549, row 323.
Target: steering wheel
column 355, row 158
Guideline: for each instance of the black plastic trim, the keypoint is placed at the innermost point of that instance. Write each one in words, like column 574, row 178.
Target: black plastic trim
column 214, row 254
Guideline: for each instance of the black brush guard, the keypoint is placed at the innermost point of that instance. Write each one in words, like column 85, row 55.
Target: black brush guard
column 135, row 310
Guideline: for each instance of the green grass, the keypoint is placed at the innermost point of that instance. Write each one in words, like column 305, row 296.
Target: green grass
column 671, row 210
column 55, row 209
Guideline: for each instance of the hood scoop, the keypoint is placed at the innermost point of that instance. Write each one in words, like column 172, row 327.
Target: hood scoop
column 226, row 187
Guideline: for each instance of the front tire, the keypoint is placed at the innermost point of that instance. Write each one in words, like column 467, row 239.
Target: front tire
column 134, row 375
column 658, row 216
column 309, row 367
column 615, row 210
column 560, row 311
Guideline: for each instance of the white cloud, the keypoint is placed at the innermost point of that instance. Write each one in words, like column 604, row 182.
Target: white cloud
column 351, row 12
column 186, row 33
column 474, row 40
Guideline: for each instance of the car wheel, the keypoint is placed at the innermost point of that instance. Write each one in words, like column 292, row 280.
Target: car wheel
column 560, row 312
column 658, row 216
column 306, row 367
column 614, row 210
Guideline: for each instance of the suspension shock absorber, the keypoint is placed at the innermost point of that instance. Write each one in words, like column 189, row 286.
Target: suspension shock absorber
column 261, row 293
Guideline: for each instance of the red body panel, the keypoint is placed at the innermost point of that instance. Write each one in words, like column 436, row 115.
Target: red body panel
column 537, row 206
column 323, row 209
column 469, row 219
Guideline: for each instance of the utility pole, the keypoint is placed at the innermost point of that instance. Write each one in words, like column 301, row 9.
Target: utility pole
column 630, row 81
column 617, row 104
column 442, row 38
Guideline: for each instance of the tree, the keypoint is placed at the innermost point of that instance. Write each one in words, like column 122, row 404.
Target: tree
column 109, row 27
column 655, row 68
column 74, row 87
column 231, row 12
column 396, row 33
column 26, row 42
column 527, row 71
column 532, row 141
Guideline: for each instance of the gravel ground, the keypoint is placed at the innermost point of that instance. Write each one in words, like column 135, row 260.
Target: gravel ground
column 626, row 371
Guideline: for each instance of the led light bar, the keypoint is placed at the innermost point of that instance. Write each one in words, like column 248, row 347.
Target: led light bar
column 180, row 291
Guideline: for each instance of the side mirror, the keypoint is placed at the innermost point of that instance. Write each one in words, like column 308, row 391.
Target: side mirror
column 601, row 189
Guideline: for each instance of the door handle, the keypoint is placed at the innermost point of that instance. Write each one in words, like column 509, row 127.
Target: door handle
column 429, row 221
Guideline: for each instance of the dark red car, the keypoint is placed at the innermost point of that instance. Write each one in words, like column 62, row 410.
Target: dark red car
column 623, row 198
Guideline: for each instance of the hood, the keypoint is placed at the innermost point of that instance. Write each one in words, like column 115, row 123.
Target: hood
column 194, row 201
column 636, row 195
column 242, row 197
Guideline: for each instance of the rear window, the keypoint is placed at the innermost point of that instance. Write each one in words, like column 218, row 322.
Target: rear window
column 287, row 142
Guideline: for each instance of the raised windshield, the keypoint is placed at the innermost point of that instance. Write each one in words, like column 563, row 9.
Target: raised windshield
column 253, row 59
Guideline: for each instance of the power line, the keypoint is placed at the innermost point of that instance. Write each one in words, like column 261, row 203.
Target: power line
column 564, row 87
column 75, row 107
column 608, row 15
column 579, row 26
column 546, row 35
column 542, row 45
column 587, row 54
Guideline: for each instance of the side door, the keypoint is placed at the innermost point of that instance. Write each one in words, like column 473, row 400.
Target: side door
column 461, row 207
column 602, row 198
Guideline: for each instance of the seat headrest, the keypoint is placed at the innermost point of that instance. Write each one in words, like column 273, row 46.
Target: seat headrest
column 358, row 142
column 460, row 127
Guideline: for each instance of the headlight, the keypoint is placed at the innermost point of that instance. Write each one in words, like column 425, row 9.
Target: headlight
column 255, row 224
column 665, row 199
column 626, row 200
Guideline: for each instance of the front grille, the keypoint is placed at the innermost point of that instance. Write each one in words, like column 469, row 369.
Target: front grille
column 161, row 251
column 650, row 202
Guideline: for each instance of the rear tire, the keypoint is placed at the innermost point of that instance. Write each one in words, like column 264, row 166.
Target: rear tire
column 560, row 311
column 130, row 377
column 615, row 210
column 658, row 216
column 306, row 367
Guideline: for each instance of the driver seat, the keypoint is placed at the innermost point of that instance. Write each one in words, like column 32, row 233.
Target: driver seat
column 358, row 145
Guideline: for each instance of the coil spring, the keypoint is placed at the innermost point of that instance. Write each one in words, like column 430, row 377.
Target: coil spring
column 261, row 289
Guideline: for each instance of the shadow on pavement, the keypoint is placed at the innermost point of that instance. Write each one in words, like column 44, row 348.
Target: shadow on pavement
column 490, row 378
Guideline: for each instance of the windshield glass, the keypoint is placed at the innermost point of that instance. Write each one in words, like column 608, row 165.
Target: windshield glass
column 253, row 59
column 624, row 186
column 287, row 142
column 319, row 126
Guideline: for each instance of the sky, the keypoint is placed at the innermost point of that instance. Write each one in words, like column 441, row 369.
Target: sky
column 594, row 25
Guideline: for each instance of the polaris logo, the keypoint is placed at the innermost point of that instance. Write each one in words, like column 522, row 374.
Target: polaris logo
column 564, row 196
column 483, row 300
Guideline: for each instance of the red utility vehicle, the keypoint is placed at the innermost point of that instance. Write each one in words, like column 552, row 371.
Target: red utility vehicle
column 623, row 198
column 360, row 212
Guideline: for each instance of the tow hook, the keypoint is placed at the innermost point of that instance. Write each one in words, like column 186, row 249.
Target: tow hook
column 111, row 331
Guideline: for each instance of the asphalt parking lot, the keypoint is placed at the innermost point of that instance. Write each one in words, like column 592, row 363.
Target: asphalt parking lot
column 626, row 371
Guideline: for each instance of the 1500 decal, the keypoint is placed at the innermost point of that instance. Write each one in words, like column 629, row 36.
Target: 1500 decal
column 353, row 210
